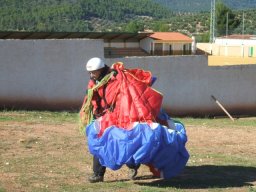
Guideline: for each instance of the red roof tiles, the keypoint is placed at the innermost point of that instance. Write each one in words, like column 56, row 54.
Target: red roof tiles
column 170, row 36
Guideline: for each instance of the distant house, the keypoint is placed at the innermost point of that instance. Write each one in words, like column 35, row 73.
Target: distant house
column 235, row 40
column 231, row 45
column 167, row 43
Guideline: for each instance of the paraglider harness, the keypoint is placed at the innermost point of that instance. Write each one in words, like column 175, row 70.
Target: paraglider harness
column 100, row 111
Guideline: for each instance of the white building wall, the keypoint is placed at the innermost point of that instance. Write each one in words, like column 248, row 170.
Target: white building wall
column 187, row 83
column 45, row 73
column 177, row 47
column 166, row 47
column 132, row 44
column 234, row 42
column 122, row 44
column 146, row 44
column 50, row 74
column 193, row 45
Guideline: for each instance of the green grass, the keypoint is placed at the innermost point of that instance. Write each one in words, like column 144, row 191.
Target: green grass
column 64, row 116
column 219, row 122
column 48, row 160
column 39, row 116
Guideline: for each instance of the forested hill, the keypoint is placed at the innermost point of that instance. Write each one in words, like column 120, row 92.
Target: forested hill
column 120, row 16
column 75, row 15
column 204, row 5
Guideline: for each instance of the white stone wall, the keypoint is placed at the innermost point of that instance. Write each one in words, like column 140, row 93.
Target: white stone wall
column 45, row 73
column 187, row 83
column 145, row 44
column 50, row 74
column 126, row 44
column 235, row 42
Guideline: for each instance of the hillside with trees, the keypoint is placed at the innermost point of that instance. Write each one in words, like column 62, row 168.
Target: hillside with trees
column 205, row 5
column 75, row 15
column 121, row 16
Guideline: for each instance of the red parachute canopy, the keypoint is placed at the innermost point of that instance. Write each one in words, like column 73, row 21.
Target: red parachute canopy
column 132, row 97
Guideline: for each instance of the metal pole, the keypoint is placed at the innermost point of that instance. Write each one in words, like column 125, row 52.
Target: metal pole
column 212, row 22
column 211, row 27
column 227, row 26
column 243, row 25
column 221, row 106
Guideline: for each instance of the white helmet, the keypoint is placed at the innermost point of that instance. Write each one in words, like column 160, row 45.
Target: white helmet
column 94, row 63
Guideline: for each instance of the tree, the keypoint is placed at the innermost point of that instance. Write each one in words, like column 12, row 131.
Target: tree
column 224, row 15
column 160, row 26
column 134, row 27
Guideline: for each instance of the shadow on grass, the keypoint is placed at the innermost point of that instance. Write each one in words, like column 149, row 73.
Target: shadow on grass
column 208, row 176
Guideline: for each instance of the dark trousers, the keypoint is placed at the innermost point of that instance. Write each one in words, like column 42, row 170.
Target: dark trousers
column 100, row 170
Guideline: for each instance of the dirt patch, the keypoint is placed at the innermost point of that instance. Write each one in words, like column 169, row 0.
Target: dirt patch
column 51, row 156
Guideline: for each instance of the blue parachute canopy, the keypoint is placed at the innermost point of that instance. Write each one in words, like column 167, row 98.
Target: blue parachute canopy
column 151, row 144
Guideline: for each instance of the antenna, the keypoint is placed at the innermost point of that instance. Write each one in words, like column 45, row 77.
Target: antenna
column 212, row 22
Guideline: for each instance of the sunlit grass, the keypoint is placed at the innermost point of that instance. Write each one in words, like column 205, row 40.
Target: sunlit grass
column 50, row 160
column 39, row 116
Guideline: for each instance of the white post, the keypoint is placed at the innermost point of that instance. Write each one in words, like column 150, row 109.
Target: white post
column 242, row 51
column 193, row 45
column 226, row 50
column 153, row 51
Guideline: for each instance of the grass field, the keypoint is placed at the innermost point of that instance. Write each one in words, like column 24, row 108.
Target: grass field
column 45, row 151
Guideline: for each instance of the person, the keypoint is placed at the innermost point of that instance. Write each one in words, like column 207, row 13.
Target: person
column 125, row 124
column 99, row 70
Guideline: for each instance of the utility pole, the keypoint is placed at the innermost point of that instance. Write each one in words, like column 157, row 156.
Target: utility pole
column 227, row 26
column 212, row 22
column 243, row 25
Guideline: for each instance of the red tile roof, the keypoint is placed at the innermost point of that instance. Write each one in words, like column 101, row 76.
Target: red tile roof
column 170, row 36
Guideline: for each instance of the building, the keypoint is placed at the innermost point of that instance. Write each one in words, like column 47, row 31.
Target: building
column 121, row 44
column 236, row 40
column 45, row 71
column 167, row 43
column 143, row 44
column 243, row 46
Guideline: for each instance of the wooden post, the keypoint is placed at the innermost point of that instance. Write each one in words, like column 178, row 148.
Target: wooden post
column 221, row 106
